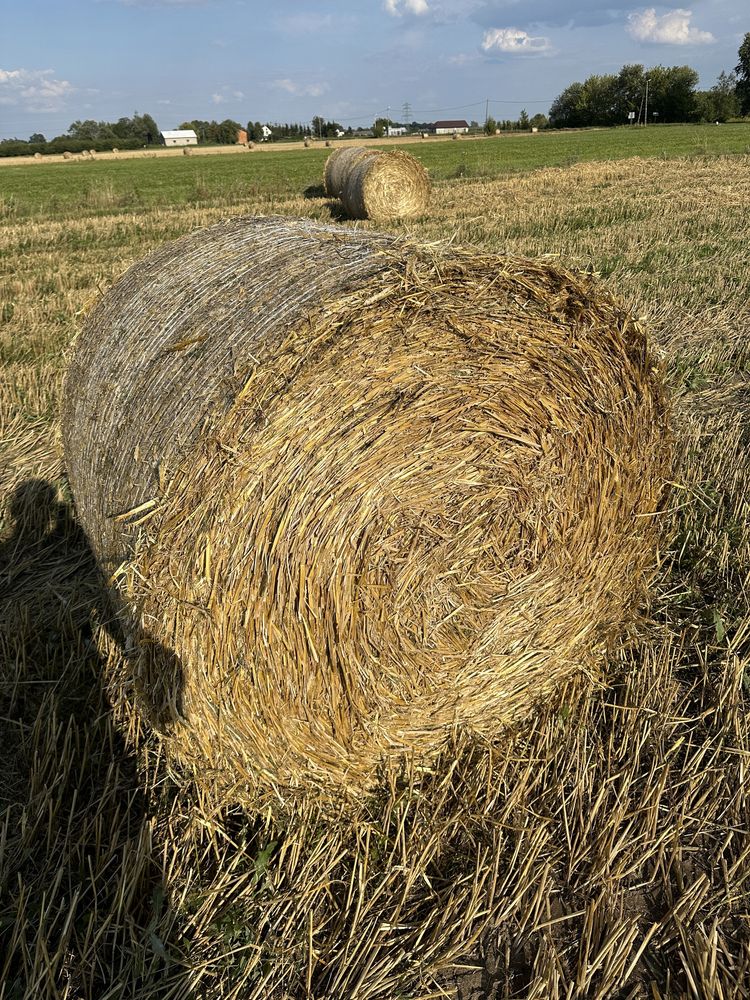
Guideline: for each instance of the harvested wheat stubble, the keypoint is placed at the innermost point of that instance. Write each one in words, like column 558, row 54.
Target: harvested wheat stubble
column 358, row 492
column 377, row 184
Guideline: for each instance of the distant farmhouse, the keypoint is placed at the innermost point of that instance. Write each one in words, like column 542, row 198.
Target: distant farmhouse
column 395, row 130
column 451, row 127
column 180, row 137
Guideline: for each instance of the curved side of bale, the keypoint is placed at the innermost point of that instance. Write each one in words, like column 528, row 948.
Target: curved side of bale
column 372, row 492
column 338, row 165
column 391, row 185
column 240, row 285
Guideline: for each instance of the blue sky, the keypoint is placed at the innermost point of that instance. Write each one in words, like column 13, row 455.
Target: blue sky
column 287, row 60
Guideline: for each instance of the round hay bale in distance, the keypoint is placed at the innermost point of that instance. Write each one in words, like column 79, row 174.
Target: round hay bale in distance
column 377, row 184
column 357, row 493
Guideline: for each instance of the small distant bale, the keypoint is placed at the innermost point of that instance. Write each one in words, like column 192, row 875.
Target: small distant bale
column 307, row 143
column 67, row 155
column 187, row 151
column 456, row 135
column 498, row 132
column 115, row 150
column 534, row 128
column 328, row 142
column 251, row 145
column 425, row 135
column 377, row 184
column 37, row 156
column 92, row 152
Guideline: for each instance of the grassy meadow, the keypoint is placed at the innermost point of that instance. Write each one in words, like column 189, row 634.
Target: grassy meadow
column 602, row 850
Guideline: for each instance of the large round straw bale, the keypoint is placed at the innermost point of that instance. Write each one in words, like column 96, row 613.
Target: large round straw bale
column 377, row 184
column 307, row 143
column 356, row 493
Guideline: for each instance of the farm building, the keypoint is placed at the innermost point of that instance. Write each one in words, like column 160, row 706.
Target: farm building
column 180, row 137
column 396, row 130
column 451, row 127
column 242, row 136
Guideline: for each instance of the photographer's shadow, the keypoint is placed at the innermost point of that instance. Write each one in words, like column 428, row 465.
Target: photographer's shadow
column 79, row 843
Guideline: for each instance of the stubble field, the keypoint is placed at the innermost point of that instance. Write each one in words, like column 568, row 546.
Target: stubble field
column 601, row 851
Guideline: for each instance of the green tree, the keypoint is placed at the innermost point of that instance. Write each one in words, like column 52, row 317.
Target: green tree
column 539, row 121
column 721, row 102
column 629, row 91
column 37, row 137
column 379, row 127
column 742, row 69
column 490, row 125
column 523, row 119
column 671, row 93
column 226, row 132
column 567, row 110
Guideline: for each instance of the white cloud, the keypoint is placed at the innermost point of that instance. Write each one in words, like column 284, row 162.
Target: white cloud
column 672, row 28
column 301, row 89
column 218, row 98
column 513, row 40
column 396, row 8
column 33, row 89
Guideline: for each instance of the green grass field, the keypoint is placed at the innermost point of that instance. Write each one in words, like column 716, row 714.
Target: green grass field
column 600, row 852
column 56, row 190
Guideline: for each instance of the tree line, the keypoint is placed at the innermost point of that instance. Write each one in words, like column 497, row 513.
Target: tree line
column 658, row 94
column 126, row 133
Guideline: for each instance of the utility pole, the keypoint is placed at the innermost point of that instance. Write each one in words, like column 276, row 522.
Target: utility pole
column 486, row 111
column 645, row 113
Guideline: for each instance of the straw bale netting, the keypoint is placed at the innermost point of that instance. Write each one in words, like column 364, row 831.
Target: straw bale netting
column 377, row 184
column 355, row 493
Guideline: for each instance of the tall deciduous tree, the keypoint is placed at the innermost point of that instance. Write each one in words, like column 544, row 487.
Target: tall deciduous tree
column 742, row 69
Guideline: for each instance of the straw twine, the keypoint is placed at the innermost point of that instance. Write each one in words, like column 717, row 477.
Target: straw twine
column 377, row 184
column 357, row 493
